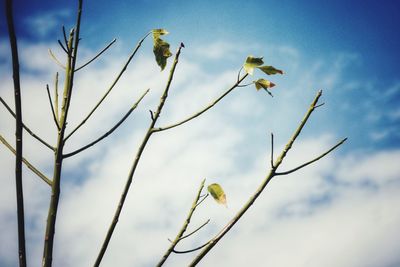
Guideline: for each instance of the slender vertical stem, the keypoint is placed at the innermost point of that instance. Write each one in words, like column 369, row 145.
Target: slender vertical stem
column 18, row 134
column 135, row 163
column 55, row 194
column 56, row 98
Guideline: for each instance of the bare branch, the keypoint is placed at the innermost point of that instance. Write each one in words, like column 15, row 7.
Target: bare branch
column 110, row 131
column 52, row 107
column 136, row 161
column 110, row 88
column 195, row 115
column 260, row 189
column 26, row 127
column 314, row 160
column 96, row 56
column 27, row 163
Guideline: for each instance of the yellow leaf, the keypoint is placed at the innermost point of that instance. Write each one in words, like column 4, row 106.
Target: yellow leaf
column 217, row 193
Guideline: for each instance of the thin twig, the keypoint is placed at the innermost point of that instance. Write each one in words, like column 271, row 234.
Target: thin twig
column 260, row 189
column 245, row 85
column 63, row 48
column 110, row 88
column 65, row 36
column 195, row 231
column 18, row 134
column 238, row 76
column 26, row 127
column 55, row 59
column 136, row 162
column 312, row 161
column 96, row 56
column 272, row 150
column 27, row 163
column 183, row 228
column 203, row 198
column 213, row 103
column 190, row 250
column 56, row 98
column 110, row 131
column 52, row 107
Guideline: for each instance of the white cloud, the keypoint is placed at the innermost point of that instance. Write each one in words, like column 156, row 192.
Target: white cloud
column 321, row 216
column 45, row 23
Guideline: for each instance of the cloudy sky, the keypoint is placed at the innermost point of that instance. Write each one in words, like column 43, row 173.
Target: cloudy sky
column 342, row 211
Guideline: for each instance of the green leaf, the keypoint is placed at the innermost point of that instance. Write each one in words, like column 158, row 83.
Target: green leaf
column 265, row 84
column 161, row 52
column 262, row 83
column 158, row 32
column 251, row 63
column 217, row 193
column 270, row 70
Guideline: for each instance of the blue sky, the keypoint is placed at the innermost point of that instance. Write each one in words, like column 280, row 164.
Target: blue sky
column 345, row 206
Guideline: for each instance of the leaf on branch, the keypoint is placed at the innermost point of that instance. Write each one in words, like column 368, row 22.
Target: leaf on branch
column 270, row 70
column 251, row 63
column 262, row 83
column 217, row 193
column 158, row 32
column 161, row 48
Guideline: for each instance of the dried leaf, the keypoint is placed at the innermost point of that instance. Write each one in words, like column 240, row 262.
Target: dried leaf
column 270, row 70
column 161, row 48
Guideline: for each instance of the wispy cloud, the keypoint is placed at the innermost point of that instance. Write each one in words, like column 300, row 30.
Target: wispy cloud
column 45, row 23
column 326, row 215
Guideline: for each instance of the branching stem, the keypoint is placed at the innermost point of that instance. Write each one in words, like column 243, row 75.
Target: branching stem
column 109, row 131
column 110, row 88
column 72, row 47
column 195, row 115
column 184, row 227
column 268, row 178
column 136, row 161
